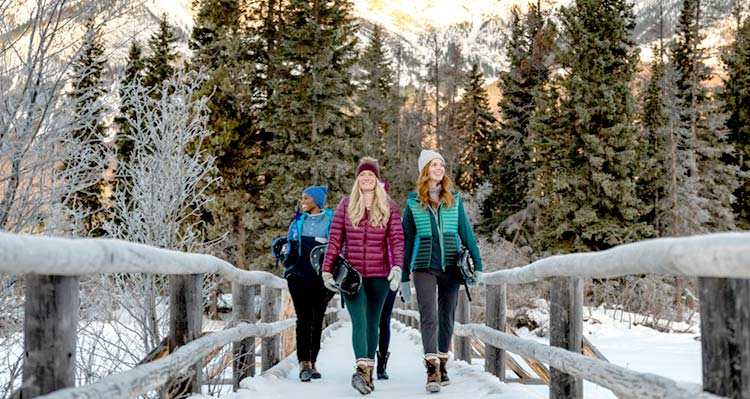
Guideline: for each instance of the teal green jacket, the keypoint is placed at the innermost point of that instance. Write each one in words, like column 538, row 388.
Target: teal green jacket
column 436, row 247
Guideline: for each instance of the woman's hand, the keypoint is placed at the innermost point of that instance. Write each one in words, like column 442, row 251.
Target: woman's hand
column 329, row 282
column 406, row 292
column 394, row 278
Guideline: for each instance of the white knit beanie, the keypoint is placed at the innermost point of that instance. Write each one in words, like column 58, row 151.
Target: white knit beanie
column 426, row 156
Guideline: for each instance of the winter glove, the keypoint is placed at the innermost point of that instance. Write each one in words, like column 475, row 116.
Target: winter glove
column 394, row 278
column 406, row 292
column 329, row 282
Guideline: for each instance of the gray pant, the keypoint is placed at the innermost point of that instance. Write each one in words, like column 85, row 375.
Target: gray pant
column 437, row 295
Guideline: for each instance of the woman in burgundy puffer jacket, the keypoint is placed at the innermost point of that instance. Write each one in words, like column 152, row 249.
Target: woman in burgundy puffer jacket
column 366, row 224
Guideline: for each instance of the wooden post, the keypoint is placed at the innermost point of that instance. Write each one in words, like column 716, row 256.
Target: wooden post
column 495, row 315
column 243, row 310
column 270, row 311
column 462, row 346
column 185, row 316
column 50, row 326
column 566, row 330
column 725, row 336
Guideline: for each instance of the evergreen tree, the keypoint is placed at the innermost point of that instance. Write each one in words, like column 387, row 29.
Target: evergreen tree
column 310, row 109
column 133, row 71
column 158, row 66
column 220, row 44
column 477, row 130
column 528, row 51
column 736, row 100
column 433, row 80
column 591, row 175
column 377, row 96
column 453, row 77
column 666, row 184
column 88, row 86
column 380, row 102
column 708, row 149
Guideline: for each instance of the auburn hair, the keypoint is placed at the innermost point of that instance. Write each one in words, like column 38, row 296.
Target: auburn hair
column 423, row 190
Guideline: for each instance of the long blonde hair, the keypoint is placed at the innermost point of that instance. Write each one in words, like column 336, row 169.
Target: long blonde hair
column 380, row 211
column 423, row 189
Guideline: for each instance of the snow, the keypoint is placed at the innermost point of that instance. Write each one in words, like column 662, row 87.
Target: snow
column 672, row 355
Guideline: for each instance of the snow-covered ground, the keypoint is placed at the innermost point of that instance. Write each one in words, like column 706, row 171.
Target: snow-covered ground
column 673, row 355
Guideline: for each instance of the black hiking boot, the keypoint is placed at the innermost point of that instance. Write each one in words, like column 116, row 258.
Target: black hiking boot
column 315, row 373
column 305, row 371
column 382, row 364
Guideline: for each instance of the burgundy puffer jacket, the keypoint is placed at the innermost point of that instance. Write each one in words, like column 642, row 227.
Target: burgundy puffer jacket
column 366, row 247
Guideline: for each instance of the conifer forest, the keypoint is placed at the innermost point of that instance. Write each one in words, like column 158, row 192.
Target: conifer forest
column 204, row 143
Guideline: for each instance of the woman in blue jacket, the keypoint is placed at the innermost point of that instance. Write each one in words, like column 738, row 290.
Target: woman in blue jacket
column 435, row 228
column 310, row 297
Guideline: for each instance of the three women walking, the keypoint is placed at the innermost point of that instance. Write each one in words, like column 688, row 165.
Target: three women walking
column 388, row 252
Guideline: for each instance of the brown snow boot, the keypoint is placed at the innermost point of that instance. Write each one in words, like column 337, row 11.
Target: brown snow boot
column 305, row 371
column 359, row 379
column 432, row 363
column 444, row 380
column 370, row 383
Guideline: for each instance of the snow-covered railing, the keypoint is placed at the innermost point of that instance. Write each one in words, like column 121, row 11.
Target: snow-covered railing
column 622, row 382
column 152, row 376
column 720, row 261
column 25, row 254
column 52, row 267
column 712, row 255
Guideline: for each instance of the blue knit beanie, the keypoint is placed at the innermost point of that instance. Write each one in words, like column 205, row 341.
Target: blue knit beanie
column 318, row 194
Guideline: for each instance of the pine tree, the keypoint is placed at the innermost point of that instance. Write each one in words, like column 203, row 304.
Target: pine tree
column 220, row 44
column 708, row 148
column 380, row 103
column 736, row 100
column 666, row 183
column 477, row 129
column 528, row 51
column 433, row 80
column 593, row 169
column 88, row 87
column 377, row 95
column 453, row 77
column 310, row 109
column 158, row 66
column 133, row 71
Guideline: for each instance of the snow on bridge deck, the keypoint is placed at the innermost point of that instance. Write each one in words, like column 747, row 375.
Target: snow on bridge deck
column 408, row 376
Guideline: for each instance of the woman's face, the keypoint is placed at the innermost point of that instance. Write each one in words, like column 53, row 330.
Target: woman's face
column 367, row 180
column 307, row 204
column 436, row 170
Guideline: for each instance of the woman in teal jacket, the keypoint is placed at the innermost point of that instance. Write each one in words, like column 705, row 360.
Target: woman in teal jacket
column 435, row 226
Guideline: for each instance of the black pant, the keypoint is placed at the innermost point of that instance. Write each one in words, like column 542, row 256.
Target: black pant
column 385, row 323
column 309, row 297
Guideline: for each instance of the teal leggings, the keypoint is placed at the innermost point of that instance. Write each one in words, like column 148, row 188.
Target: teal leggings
column 364, row 308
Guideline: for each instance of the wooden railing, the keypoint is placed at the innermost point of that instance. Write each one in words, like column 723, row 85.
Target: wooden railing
column 52, row 267
column 720, row 261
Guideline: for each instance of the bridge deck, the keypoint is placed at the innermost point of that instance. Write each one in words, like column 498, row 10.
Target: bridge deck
column 336, row 364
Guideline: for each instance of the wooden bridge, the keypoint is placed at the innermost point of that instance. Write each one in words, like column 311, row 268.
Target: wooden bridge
column 52, row 267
